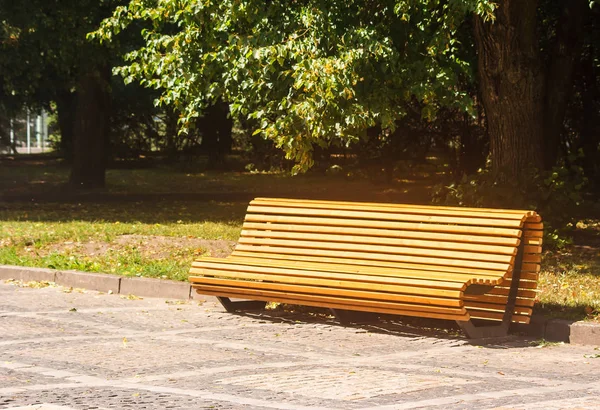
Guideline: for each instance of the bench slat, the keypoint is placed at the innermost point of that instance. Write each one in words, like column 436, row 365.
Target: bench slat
column 232, row 268
column 281, row 210
column 533, row 234
column 323, row 287
column 336, row 302
column 498, row 291
column 390, row 225
column 459, row 239
column 365, row 254
column 374, row 240
column 533, row 226
column 239, row 253
column 326, row 243
column 492, row 277
column 388, row 207
column 498, row 308
column 499, row 300
column 518, row 316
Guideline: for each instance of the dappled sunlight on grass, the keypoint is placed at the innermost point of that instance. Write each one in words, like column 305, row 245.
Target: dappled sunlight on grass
column 570, row 284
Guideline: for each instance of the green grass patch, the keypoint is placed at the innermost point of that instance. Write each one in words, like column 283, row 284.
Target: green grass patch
column 161, row 236
column 569, row 284
column 126, row 263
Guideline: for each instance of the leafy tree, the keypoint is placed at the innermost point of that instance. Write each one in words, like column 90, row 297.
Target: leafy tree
column 307, row 72
column 47, row 58
column 321, row 72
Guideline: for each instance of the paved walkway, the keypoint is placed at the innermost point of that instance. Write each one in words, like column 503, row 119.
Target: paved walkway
column 61, row 350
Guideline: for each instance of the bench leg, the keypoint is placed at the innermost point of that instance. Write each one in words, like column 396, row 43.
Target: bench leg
column 241, row 305
column 501, row 330
column 483, row 332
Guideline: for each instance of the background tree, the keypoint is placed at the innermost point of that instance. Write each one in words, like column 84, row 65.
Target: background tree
column 48, row 58
column 309, row 73
column 526, row 87
column 316, row 73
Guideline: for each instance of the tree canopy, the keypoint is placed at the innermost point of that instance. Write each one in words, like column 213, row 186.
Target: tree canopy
column 305, row 72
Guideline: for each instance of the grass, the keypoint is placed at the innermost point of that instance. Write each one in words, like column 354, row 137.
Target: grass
column 154, row 222
column 64, row 236
column 45, row 225
column 569, row 284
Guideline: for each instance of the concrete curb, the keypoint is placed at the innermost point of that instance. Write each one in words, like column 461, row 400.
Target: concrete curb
column 553, row 330
column 102, row 282
column 561, row 330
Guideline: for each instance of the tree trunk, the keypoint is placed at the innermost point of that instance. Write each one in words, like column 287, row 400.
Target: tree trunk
column 65, row 107
column 566, row 47
column 91, row 129
column 512, row 87
column 590, row 120
column 216, row 127
column 171, row 150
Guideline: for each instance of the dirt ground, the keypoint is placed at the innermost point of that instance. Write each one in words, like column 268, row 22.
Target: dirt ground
column 153, row 247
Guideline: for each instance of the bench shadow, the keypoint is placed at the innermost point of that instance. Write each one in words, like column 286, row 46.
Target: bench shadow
column 398, row 326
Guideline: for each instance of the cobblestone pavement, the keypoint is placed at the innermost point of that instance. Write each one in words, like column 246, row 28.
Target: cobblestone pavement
column 63, row 350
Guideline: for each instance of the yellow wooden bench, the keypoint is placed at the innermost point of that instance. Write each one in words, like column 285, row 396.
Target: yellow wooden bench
column 476, row 266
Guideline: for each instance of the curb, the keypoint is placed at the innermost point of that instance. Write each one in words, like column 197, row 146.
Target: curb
column 102, row 282
column 561, row 330
column 552, row 330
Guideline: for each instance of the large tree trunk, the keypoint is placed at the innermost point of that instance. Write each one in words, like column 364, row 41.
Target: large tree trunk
column 590, row 119
column 91, row 129
column 512, row 87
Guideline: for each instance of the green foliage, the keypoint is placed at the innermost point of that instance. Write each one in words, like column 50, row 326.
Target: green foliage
column 305, row 72
column 44, row 45
column 555, row 194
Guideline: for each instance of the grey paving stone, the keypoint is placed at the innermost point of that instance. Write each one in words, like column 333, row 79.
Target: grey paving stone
column 115, row 352
column 155, row 288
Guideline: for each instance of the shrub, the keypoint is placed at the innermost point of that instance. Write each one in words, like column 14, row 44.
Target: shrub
column 556, row 195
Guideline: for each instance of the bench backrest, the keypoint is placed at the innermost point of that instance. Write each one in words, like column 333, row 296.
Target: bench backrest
column 447, row 239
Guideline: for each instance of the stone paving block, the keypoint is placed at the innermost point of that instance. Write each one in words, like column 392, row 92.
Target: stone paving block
column 558, row 330
column 114, row 352
column 169, row 289
column 585, row 333
column 199, row 297
column 92, row 281
column 26, row 274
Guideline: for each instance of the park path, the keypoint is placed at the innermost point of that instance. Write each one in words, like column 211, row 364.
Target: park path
column 65, row 349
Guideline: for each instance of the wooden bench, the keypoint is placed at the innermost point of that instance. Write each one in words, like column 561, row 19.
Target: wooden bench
column 476, row 266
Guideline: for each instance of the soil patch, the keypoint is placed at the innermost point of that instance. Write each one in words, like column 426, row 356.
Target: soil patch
column 153, row 247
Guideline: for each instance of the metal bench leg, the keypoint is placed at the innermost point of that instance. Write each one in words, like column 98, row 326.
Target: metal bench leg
column 479, row 332
column 241, row 305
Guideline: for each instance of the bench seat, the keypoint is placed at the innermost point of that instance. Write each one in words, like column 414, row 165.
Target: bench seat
column 436, row 262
